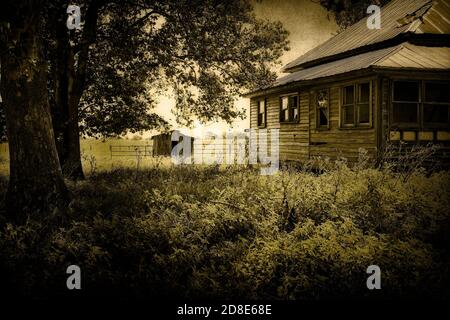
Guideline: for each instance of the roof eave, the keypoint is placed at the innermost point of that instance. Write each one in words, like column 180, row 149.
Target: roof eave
column 309, row 82
column 414, row 38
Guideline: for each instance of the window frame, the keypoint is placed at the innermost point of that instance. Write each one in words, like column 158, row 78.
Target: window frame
column 357, row 124
column 419, row 95
column 433, row 125
column 421, row 124
column 289, row 108
column 343, row 106
column 261, row 125
column 317, row 109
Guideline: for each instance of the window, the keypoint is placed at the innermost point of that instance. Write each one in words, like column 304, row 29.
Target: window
column 436, row 104
column 322, row 113
column 289, row 108
column 421, row 104
column 356, row 105
column 348, row 106
column 364, row 103
column 262, row 113
column 405, row 103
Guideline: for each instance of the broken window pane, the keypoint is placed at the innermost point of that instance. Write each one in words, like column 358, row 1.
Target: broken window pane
column 289, row 109
column 295, row 114
column 284, row 103
column 322, row 105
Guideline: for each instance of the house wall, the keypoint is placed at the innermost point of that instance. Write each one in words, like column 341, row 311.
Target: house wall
column 342, row 142
column 406, row 138
column 293, row 137
column 303, row 140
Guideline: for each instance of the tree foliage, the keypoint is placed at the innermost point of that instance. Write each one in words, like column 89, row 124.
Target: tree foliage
column 348, row 12
column 203, row 53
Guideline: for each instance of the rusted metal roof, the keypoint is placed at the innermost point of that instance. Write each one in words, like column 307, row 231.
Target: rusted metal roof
column 417, row 57
column 403, row 56
column 397, row 17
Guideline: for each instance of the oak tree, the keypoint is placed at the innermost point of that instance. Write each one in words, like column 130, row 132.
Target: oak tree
column 203, row 53
column 35, row 182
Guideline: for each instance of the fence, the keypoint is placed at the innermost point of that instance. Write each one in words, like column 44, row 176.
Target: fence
column 130, row 151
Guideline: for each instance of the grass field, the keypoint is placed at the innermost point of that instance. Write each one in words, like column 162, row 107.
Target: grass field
column 96, row 156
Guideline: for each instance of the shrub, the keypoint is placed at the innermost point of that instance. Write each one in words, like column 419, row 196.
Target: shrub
column 210, row 232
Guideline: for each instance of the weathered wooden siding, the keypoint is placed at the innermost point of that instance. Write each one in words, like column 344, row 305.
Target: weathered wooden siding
column 293, row 137
column 341, row 142
column 302, row 141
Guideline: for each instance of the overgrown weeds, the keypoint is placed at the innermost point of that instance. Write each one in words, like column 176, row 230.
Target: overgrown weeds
column 196, row 232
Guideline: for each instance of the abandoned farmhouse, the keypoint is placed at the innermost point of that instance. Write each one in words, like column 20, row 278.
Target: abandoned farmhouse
column 365, row 88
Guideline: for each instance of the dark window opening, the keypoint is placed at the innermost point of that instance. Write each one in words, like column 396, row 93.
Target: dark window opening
column 323, row 118
column 261, row 113
column 323, row 105
column 349, row 115
column 406, row 91
column 437, row 104
column 364, row 113
column 349, row 95
column 437, row 92
column 364, row 103
column 405, row 112
column 423, row 104
column 406, row 102
column 433, row 113
column 364, row 93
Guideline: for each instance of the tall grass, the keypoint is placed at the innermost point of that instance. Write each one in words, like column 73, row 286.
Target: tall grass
column 228, row 232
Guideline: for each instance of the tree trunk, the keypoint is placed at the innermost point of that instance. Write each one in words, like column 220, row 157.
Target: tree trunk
column 70, row 151
column 63, row 105
column 36, row 184
column 71, row 147
column 59, row 46
column 71, row 85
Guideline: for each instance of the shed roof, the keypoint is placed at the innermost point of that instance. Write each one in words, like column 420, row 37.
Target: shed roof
column 398, row 17
column 167, row 134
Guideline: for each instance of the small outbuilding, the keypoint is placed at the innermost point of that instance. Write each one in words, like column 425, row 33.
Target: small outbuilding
column 163, row 144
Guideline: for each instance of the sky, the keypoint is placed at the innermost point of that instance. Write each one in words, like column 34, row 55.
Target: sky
column 308, row 25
